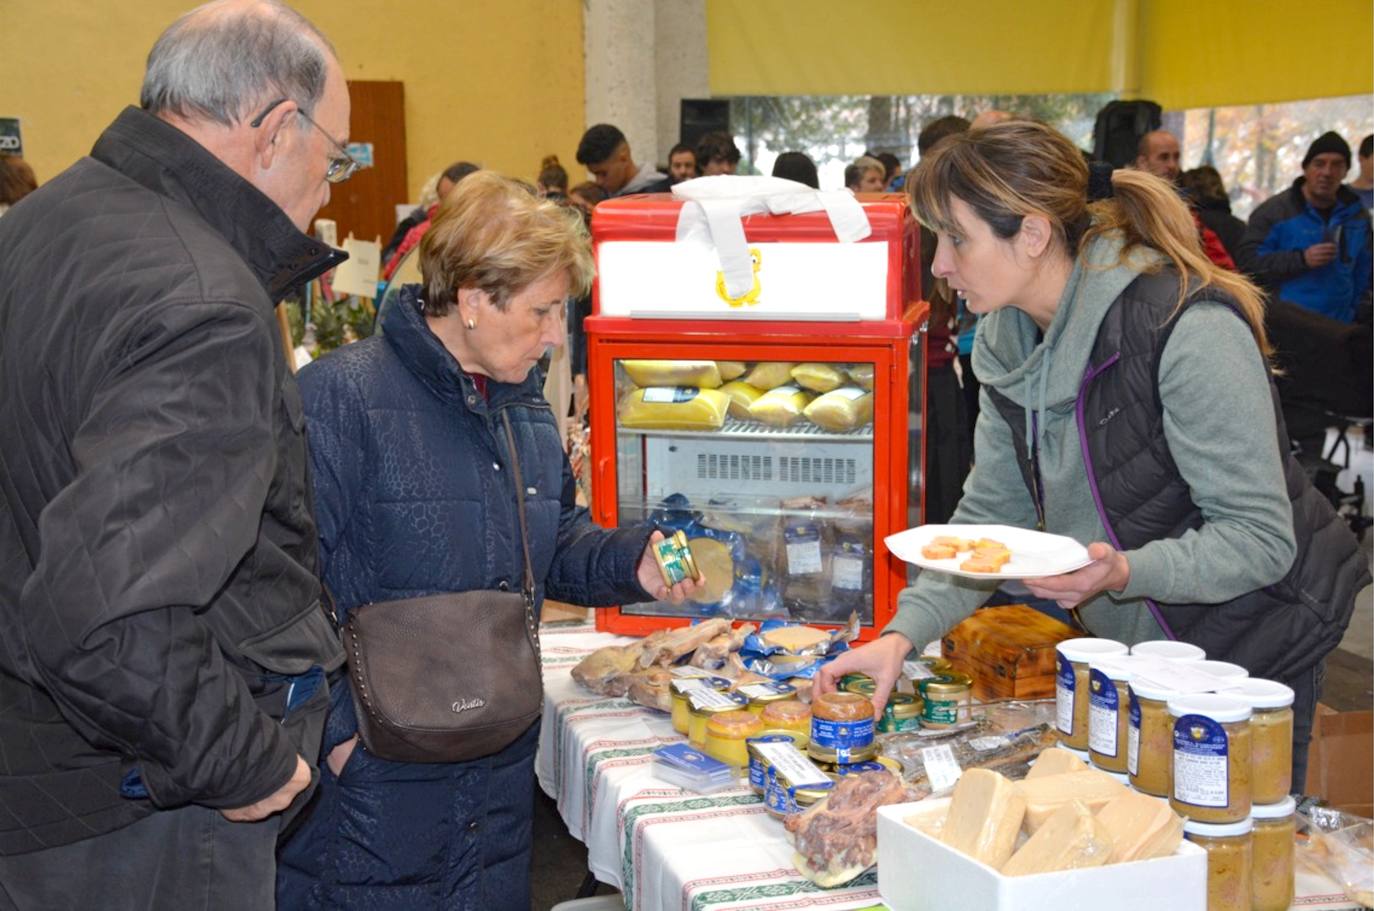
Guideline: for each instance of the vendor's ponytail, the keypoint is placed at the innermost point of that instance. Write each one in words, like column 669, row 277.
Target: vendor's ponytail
column 1010, row 170
column 1148, row 212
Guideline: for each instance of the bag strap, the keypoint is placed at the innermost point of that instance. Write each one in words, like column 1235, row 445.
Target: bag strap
column 520, row 503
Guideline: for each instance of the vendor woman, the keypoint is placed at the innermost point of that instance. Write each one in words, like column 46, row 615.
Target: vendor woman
column 1127, row 402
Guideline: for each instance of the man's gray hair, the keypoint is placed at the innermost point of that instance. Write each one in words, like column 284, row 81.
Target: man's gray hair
column 222, row 60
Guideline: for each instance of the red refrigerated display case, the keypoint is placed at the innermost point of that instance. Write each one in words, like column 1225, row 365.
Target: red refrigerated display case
column 746, row 422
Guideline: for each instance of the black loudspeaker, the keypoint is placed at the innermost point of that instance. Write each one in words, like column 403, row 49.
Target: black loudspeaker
column 699, row 116
column 1120, row 124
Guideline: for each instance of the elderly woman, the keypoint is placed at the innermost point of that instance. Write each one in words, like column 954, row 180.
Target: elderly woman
column 414, row 496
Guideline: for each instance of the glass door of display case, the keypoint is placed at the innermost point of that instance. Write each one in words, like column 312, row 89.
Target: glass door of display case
column 768, row 467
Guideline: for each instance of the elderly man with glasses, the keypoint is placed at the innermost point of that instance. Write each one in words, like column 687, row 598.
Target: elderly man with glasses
column 165, row 658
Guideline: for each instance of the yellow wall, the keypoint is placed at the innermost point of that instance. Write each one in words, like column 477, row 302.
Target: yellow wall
column 1232, row 52
column 1181, row 53
column 499, row 82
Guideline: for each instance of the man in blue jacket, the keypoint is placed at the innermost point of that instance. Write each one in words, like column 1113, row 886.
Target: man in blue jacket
column 1310, row 245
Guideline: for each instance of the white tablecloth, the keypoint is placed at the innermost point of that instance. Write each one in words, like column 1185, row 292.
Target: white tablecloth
column 664, row 848
column 672, row 850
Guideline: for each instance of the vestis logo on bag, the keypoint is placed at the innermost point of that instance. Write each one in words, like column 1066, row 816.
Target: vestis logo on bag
column 463, row 705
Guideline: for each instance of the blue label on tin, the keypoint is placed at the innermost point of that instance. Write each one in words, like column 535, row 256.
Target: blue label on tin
column 777, row 798
column 758, row 774
column 1201, row 750
column 1064, row 685
column 854, row 768
column 844, row 737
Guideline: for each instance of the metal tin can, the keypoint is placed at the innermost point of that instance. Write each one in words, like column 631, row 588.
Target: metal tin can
column 947, row 700
column 903, row 713
column 864, row 686
column 758, row 763
column 674, row 558
column 853, row 677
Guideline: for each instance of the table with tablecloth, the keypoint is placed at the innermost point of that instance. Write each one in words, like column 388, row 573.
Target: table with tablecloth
column 672, row 850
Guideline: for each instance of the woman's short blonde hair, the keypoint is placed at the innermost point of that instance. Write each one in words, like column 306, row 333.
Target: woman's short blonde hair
column 496, row 235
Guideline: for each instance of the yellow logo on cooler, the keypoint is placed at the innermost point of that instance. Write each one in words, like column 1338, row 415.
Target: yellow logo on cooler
column 749, row 297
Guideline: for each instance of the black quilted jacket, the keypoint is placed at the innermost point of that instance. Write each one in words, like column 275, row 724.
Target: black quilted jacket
column 158, row 588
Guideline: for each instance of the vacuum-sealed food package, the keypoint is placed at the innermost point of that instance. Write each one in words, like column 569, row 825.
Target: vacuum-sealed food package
column 862, row 374
column 731, row 370
column 842, row 410
column 703, row 374
column 674, row 408
column 819, row 377
column 808, row 548
column 742, row 395
column 769, row 374
column 716, row 560
column 780, row 407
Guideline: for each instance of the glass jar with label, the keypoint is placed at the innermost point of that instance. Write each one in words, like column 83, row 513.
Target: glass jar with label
column 1229, row 862
column 1211, row 765
column 726, row 736
column 679, row 687
column 1272, row 841
column 1171, row 649
column 789, row 715
column 706, row 703
column 946, row 699
column 902, row 714
column 1109, row 711
column 1071, row 685
column 1271, row 737
column 765, row 693
column 1222, row 669
column 1150, row 738
column 842, row 728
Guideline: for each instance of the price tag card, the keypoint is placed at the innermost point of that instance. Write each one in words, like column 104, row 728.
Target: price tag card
column 941, row 767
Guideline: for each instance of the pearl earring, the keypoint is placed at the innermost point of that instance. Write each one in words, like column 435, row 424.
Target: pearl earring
column 472, row 324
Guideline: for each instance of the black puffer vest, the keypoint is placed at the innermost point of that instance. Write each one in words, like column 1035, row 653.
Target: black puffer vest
column 1276, row 632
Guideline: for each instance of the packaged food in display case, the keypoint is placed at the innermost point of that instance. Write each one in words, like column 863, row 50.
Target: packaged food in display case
column 780, row 434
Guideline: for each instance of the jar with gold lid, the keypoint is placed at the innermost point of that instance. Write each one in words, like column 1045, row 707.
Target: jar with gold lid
column 945, row 699
column 1272, row 850
column 842, row 728
column 704, row 704
column 902, row 714
column 726, row 736
column 1271, row 736
column 1230, row 861
column 766, row 693
column 1071, row 690
column 1211, row 765
column 680, row 687
column 789, row 715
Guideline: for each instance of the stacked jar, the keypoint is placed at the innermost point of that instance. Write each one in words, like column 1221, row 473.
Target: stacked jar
column 681, row 687
column 1230, row 862
column 1224, row 671
column 842, row 728
column 1109, row 706
column 1150, row 738
column 1171, row 649
column 1212, row 774
column 1275, row 828
column 1071, row 686
column 705, row 704
column 1271, row 737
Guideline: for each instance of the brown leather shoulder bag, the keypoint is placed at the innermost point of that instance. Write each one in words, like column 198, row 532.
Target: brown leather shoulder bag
column 448, row 677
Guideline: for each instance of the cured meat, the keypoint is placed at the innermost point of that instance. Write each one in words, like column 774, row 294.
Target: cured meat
column 837, row 838
column 601, row 671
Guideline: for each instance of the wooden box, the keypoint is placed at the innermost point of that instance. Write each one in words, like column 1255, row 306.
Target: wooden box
column 1008, row 651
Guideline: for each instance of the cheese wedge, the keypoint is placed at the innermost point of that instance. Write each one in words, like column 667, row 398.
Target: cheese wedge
column 794, row 638
column 984, row 817
column 1071, row 839
column 1055, row 761
column 1045, row 795
column 1140, row 827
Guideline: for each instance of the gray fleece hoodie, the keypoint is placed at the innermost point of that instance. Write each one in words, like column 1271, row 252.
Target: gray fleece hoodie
column 1218, row 421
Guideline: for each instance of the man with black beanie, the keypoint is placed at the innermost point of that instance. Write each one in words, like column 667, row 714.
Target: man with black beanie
column 1310, row 244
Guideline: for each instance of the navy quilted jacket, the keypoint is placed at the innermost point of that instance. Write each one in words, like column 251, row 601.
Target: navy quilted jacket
column 412, row 494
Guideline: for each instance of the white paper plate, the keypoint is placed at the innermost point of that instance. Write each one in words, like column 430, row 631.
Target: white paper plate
column 1033, row 553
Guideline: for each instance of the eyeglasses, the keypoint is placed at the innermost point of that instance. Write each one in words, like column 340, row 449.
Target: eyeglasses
column 341, row 166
